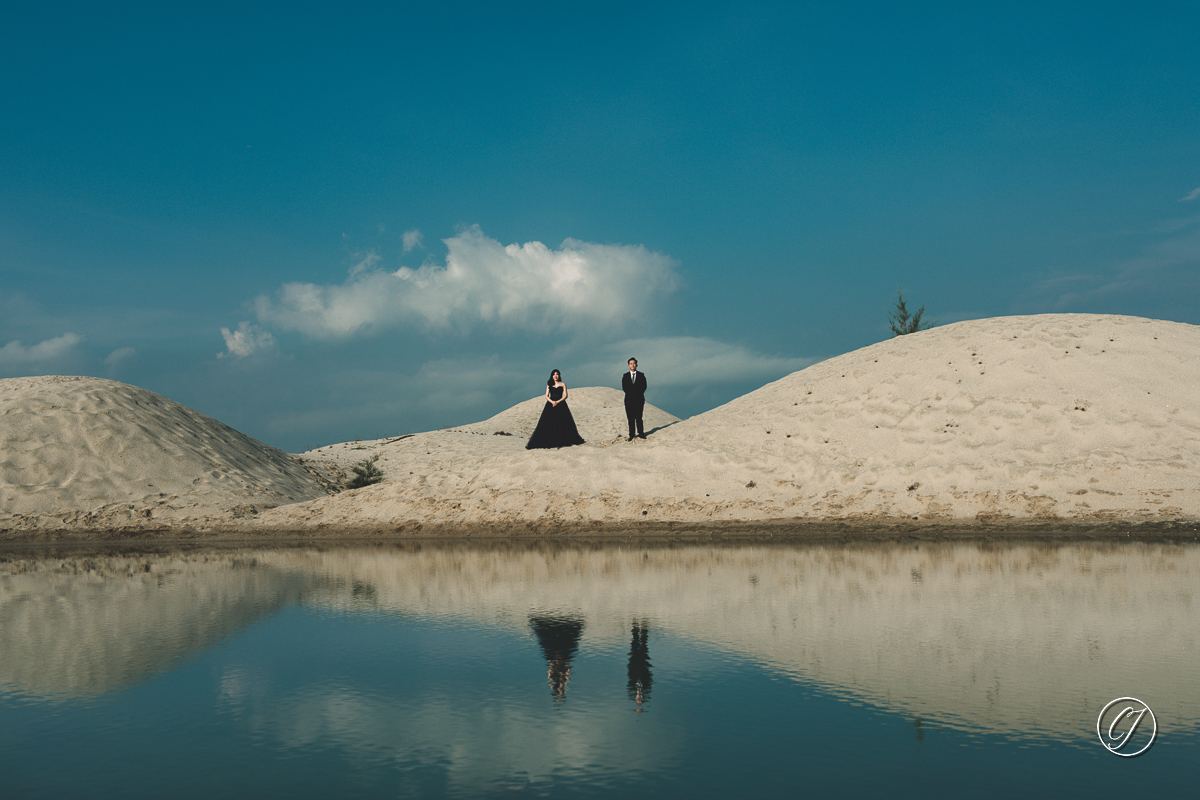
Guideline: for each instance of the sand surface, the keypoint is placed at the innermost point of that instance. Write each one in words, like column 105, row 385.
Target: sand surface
column 94, row 453
column 1060, row 418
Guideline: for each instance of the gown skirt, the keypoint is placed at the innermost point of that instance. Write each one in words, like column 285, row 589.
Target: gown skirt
column 556, row 427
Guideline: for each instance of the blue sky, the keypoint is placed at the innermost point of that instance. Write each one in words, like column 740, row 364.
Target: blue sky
column 321, row 222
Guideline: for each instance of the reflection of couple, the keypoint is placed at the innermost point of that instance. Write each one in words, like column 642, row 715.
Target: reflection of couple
column 556, row 426
column 559, row 639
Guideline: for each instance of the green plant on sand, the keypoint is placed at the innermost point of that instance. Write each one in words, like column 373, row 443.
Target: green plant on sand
column 365, row 473
column 901, row 322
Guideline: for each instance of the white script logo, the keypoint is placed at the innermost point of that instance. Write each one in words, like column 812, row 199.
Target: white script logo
column 1118, row 723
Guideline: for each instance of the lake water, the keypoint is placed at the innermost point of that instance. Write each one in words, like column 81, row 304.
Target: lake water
column 875, row 669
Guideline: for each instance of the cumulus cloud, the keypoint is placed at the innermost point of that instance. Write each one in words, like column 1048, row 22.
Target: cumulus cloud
column 1190, row 196
column 413, row 239
column 246, row 340
column 15, row 353
column 528, row 287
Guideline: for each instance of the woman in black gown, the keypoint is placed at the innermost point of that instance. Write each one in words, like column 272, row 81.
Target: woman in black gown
column 556, row 428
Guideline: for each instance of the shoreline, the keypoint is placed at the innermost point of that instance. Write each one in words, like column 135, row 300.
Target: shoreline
column 779, row 530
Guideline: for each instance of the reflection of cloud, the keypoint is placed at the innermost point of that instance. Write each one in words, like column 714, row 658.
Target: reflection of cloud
column 942, row 631
column 520, row 286
column 480, row 739
column 15, row 353
column 686, row 361
column 246, row 340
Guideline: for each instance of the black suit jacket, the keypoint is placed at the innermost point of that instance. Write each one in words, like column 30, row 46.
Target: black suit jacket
column 635, row 390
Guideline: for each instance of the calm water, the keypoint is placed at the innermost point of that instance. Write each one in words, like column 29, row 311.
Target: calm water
column 691, row 671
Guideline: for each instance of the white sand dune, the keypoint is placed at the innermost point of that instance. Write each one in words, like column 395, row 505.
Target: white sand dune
column 1059, row 418
column 97, row 453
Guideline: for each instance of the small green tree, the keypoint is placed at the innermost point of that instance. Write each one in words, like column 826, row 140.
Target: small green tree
column 365, row 473
column 901, row 322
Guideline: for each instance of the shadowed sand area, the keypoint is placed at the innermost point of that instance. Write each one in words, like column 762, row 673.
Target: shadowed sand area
column 1059, row 420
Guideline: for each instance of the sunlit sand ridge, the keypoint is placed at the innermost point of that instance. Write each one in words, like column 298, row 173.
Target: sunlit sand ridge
column 1059, row 418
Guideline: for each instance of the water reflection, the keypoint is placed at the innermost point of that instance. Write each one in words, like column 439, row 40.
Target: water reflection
column 559, row 640
column 79, row 623
column 1027, row 639
column 640, row 676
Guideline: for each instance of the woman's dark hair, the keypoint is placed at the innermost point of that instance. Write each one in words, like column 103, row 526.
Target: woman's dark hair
column 550, row 383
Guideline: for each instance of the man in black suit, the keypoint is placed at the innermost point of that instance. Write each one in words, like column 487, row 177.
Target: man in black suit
column 634, row 385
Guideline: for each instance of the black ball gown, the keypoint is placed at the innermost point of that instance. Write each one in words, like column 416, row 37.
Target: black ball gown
column 556, row 428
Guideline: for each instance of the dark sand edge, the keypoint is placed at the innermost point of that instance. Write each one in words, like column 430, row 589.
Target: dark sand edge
column 836, row 530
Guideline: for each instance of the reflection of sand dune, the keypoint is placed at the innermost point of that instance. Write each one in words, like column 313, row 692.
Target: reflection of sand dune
column 1027, row 638
column 1021, row 638
column 80, row 626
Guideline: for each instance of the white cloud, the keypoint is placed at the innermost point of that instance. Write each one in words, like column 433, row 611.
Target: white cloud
column 471, row 384
column 519, row 286
column 688, row 362
column 119, row 356
column 412, row 240
column 366, row 263
column 1190, row 196
column 246, row 340
column 1167, row 271
column 15, row 353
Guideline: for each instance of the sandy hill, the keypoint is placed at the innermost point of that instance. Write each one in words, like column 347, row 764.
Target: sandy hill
column 599, row 414
column 1043, row 415
column 94, row 452
column 1067, row 417
column 1061, row 418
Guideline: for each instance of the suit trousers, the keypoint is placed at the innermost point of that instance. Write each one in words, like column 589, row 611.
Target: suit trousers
column 633, row 413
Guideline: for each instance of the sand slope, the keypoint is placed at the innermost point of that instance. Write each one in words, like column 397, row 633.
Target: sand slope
column 89, row 451
column 1073, row 417
column 1055, row 418
column 599, row 414
column 1039, row 416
